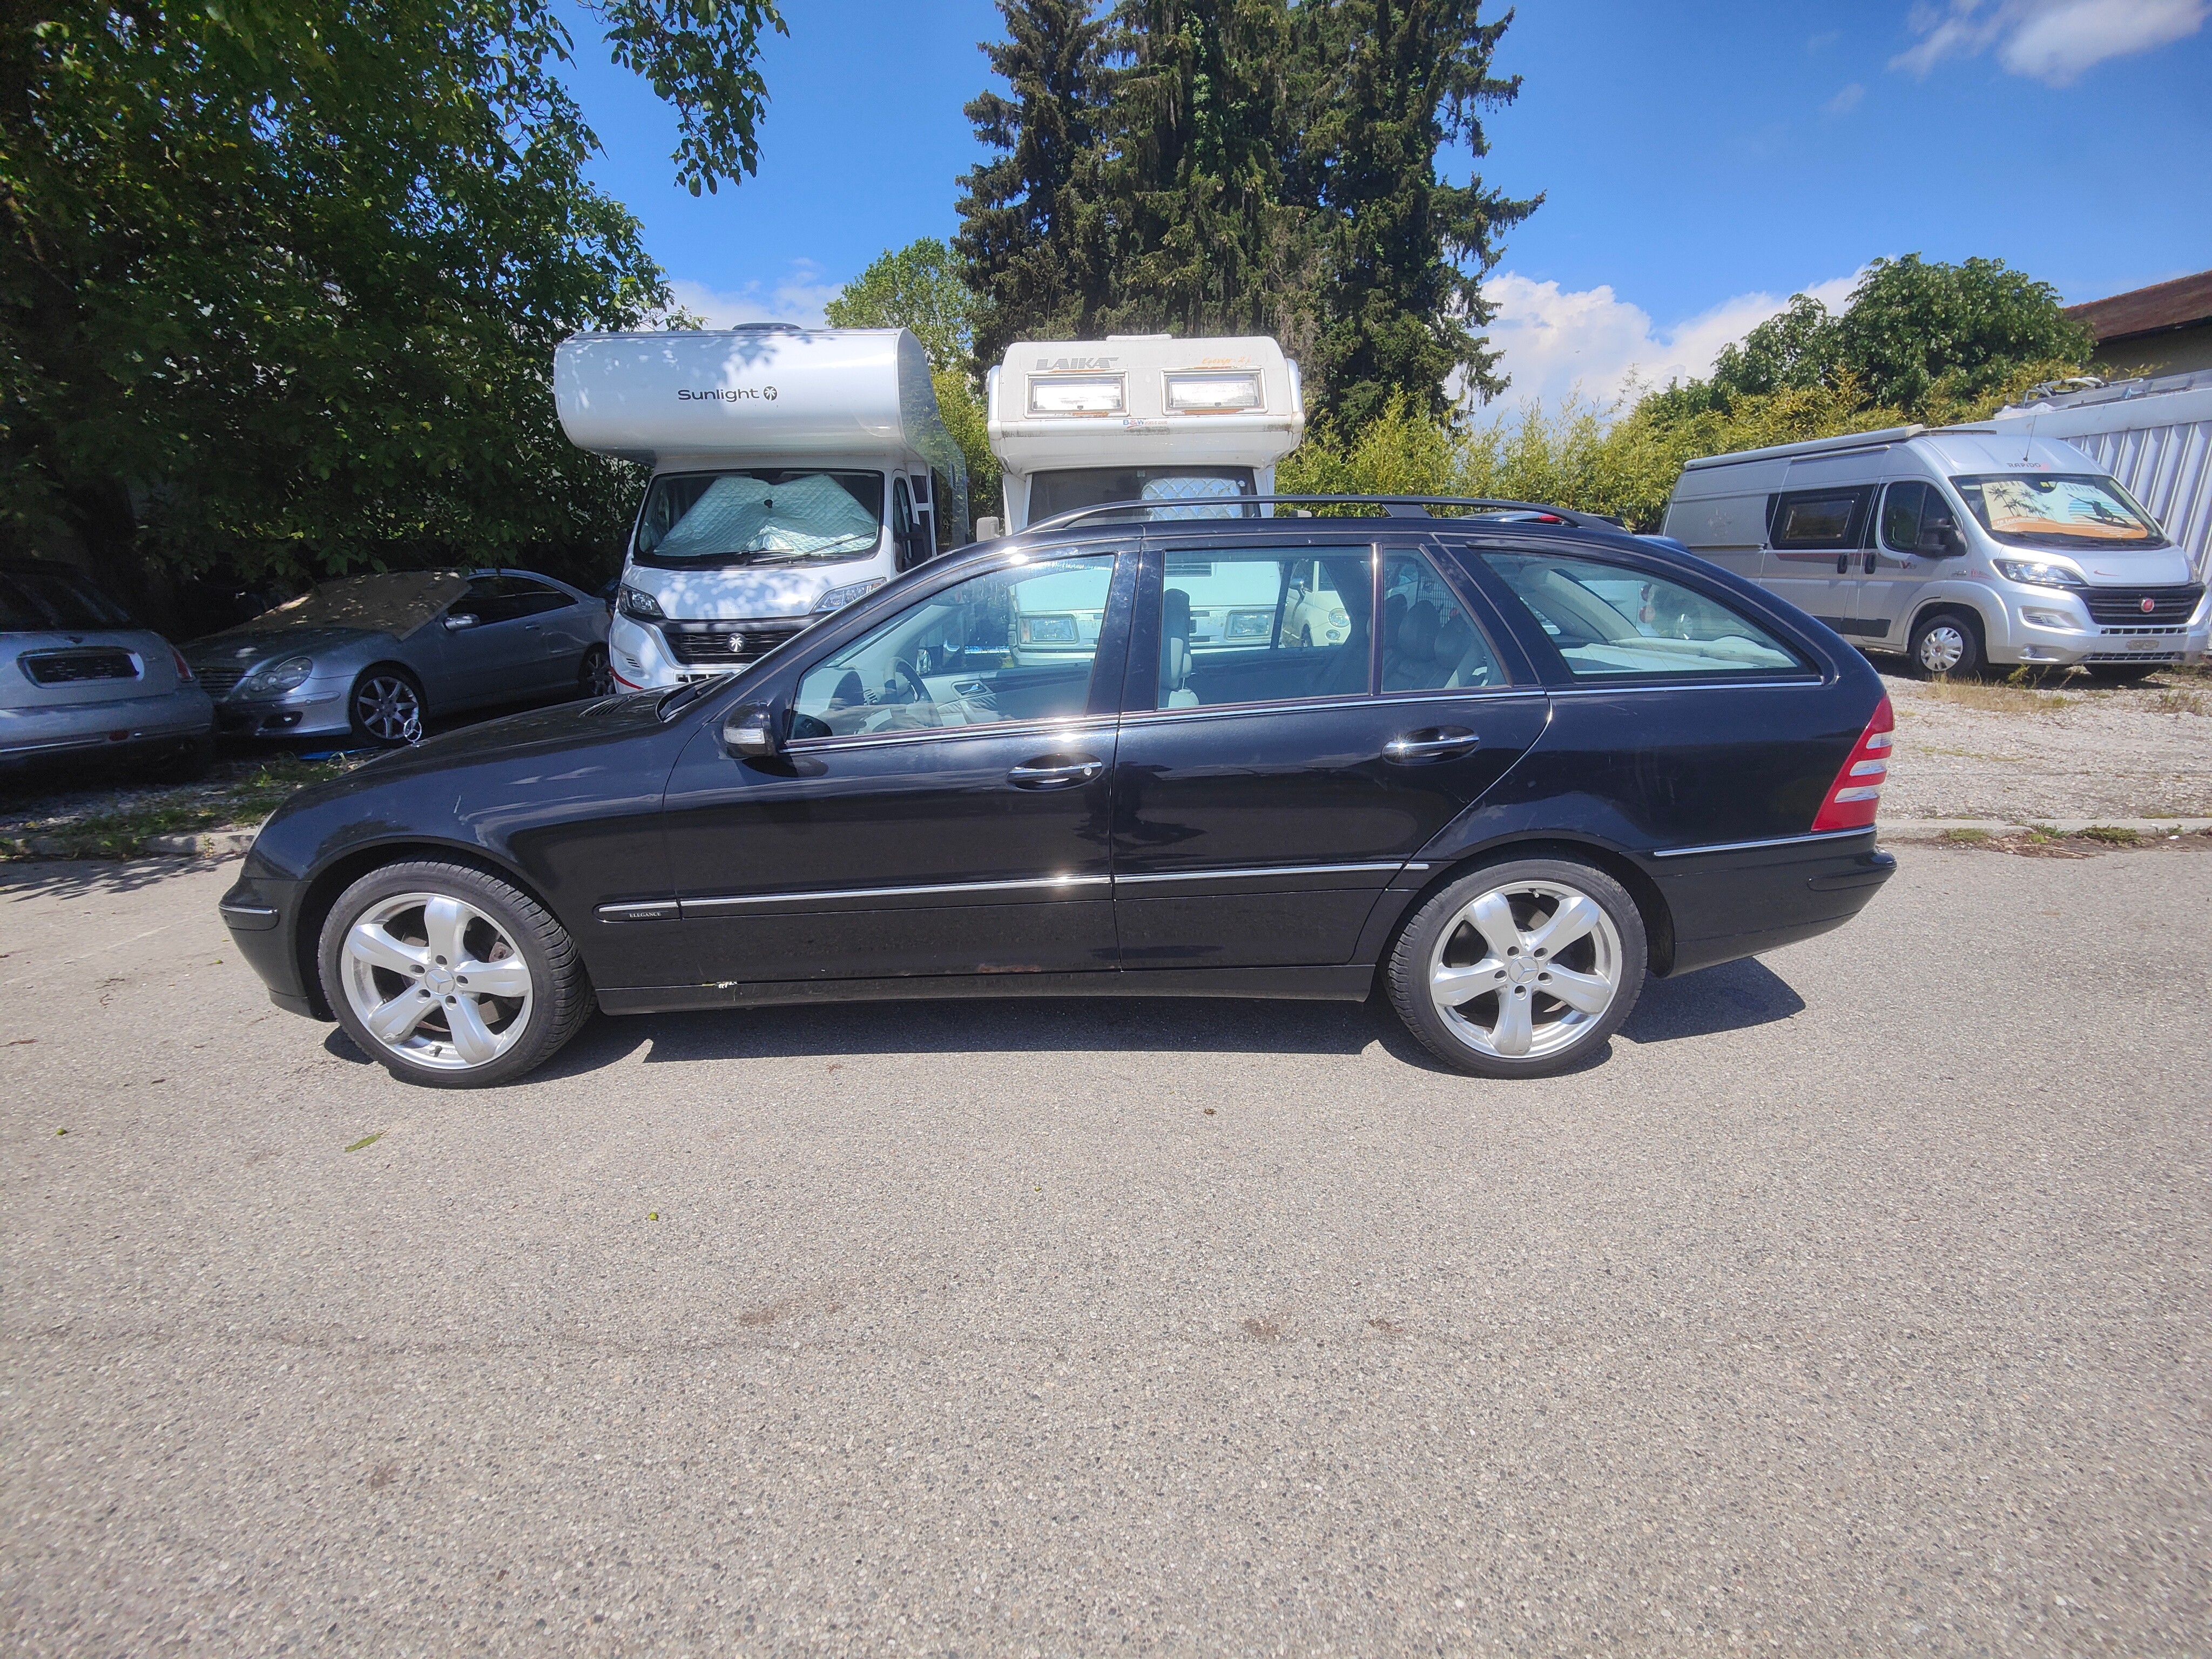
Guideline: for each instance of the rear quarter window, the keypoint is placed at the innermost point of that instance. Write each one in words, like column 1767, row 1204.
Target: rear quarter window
column 1613, row 622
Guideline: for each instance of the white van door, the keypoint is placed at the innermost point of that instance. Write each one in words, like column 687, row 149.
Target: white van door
column 1915, row 531
column 1813, row 538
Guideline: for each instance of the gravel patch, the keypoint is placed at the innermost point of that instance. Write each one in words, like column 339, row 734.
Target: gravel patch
column 1992, row 751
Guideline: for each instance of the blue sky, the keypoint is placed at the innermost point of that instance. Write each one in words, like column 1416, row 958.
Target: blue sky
column 1701, row 163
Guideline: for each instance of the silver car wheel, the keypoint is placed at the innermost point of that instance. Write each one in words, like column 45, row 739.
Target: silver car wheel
column 596, row 677
column 1942, row 648
column 436, row 980
column 388, row 708
column 1522, row 971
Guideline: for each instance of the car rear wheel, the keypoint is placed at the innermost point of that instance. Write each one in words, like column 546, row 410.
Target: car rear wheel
column 1520, row 969
column 449, row 976
column 386, row 706
column 596, row 677
column 1945, row 644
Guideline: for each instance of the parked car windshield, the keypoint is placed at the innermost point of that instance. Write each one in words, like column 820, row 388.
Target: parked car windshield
column 764, row 515
column 2059, row 510
column 395, row 602
column 1183, row 492
column 36, row 598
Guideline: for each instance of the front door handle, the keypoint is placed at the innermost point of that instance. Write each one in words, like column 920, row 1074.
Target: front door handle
column 1055, row 771
column 1438, row 742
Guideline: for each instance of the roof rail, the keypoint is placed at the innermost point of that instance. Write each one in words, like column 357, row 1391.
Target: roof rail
column 1393, row 506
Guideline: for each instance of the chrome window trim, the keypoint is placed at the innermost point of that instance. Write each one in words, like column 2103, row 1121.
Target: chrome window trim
column 1585, row 689
column 711, row 906
column 1397, row 699
column 1867, row 829
column 1081, row 725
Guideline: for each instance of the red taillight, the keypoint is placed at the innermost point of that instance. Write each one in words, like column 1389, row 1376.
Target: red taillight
column 1856, row 791
column 184, row 668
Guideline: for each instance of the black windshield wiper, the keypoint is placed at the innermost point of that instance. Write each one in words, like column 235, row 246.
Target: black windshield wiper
column 684, row 696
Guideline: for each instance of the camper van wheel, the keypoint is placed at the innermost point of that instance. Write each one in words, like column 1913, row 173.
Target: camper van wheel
column 596, row 677
column 1946, row 644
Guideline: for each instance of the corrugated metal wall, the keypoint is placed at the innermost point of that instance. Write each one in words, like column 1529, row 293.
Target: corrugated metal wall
column 2169, row 470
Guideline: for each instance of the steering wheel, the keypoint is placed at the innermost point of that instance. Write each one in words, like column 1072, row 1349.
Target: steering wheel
column 905, row 670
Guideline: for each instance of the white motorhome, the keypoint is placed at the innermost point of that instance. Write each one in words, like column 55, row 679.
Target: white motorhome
column 2154, row 436
column 1145, row 417
column 1957, row 546
column 793, row 471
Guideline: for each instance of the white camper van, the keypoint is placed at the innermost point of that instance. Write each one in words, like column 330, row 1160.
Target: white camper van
column 1959, row 546
column 793, row 471
column 1142, row 417
column 2154, row 436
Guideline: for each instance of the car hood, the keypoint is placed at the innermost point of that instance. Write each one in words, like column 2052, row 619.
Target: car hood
column 590, row 721
column 243, row 648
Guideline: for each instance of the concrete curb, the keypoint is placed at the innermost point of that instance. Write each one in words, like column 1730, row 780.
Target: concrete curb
column 202, row 844
column 1935, row 829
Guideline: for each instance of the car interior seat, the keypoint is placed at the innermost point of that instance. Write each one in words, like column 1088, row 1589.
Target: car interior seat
column 1408, row 664
column 1174, row 652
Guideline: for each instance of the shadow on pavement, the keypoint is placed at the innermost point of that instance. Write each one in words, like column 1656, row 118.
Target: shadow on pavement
column 66, row 879
column 1732, row 997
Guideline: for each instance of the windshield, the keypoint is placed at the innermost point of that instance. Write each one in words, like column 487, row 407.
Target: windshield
column 2059, row 510
column 37, row 598
column 765, row 515
column 1052, row 494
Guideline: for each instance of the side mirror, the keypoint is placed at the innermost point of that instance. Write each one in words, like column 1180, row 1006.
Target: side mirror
column 987, row 530
column 461, row 619
column 752, row 732
column 1942, row 542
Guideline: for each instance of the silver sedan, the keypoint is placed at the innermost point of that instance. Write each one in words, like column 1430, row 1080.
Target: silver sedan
column 370, row 657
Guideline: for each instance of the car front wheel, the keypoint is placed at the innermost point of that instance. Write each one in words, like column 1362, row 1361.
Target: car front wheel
column 1520, row 969
column 596, row 677
column 451, row 977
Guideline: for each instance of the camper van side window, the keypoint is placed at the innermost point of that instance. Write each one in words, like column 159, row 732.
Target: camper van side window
column 1817, row 519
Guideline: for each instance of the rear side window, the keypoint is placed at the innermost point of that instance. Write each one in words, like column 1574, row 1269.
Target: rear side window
column 1261, row 625
column 1610, row 622
column 1817, row 519
column 1430, row 643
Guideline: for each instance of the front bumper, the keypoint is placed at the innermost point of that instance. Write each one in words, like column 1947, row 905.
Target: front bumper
column 262, row 916
column 2058, row 631
column 167, row 720
column 314, row 709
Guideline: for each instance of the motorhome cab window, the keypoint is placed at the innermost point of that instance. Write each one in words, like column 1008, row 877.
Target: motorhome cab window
column 2058, row 510
column 763, row 515
column 1175, row 488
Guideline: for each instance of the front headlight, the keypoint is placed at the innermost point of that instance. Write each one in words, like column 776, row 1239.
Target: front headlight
column 2037, row 573
column 640, row 605
column 838, row 597
column 1046, row 630
column 1338, row 619
column 278, row 678
column 1250, row 625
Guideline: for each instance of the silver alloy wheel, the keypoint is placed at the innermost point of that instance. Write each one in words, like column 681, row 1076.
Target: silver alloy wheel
column 597, row 677
column 436, row 980
column 1520, row 972
column 388, row 708
column 1942, row 648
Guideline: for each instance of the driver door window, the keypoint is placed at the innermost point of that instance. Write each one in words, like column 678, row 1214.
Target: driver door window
column 1016, row 644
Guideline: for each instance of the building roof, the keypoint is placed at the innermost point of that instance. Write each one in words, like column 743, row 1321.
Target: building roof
column 2177, row 304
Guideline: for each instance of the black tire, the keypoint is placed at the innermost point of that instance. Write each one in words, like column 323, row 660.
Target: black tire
column 188, row 764
column 386, row 707
column 559, row 992
column 1306, row 637
column 1939, row 633
column 595, row 675
column 1563, row 1036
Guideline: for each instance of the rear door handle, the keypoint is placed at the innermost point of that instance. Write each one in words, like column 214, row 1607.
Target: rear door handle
column 1055, row 771
column 1436, row 743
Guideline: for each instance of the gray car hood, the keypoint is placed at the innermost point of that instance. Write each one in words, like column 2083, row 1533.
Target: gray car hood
column 242, row 647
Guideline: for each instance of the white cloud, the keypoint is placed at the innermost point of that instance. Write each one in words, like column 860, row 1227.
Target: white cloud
column 1591, row 343
column 2053, row 41
column 1845, row 100
column 797, row 297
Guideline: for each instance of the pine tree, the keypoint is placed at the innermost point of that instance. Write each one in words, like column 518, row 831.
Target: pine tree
column 1389, row 80
column 1203, row 241
column 1033, row 217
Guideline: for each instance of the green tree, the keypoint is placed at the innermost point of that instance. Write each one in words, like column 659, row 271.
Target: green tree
column 1032, row 217
column 1204, row 241
column 280, row 287
column 918, row 286
column 1914, row 331
column 1403, row 252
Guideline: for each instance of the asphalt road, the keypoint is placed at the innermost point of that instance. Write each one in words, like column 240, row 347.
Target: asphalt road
column 1855, row 1304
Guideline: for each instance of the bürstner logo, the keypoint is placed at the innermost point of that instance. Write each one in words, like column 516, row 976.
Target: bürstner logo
column 2149, row 604
column 765, row 394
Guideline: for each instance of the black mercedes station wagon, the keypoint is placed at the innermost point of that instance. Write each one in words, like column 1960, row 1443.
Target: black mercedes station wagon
column 1497, row 762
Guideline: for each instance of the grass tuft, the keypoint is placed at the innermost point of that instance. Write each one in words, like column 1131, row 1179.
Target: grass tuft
column 2112, row 835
